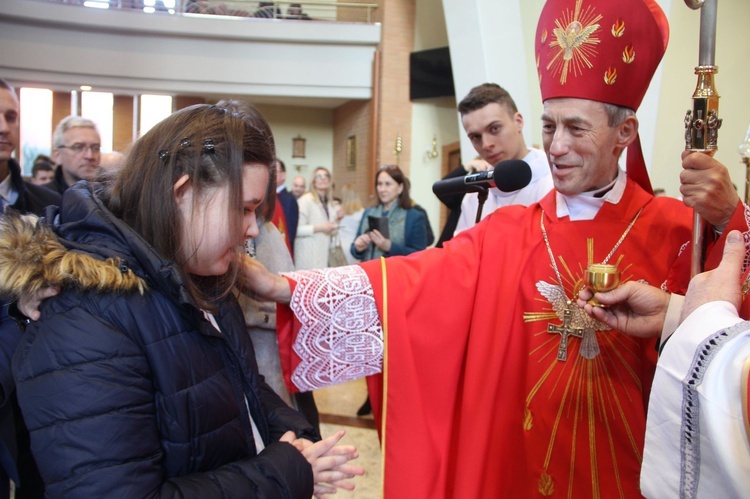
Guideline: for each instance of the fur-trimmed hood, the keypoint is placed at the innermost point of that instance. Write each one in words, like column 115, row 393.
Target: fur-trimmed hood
column 81, row 245
column 31, row 258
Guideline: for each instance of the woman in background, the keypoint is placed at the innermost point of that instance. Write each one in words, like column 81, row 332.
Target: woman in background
column 406, row 226
column 317, row 221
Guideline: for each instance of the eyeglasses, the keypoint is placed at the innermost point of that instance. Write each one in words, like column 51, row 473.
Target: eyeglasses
column 79, row 148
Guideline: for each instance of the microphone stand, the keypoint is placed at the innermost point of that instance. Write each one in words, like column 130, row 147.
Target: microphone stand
column 481, row 197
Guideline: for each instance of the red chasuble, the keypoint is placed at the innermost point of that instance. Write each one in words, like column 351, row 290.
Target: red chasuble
column 476, row 403
column 279, row 220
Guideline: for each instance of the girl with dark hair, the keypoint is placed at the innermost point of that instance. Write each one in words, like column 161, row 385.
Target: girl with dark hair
column 139, row 380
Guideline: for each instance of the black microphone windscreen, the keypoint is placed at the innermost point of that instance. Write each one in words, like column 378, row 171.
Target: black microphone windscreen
column 511, row 175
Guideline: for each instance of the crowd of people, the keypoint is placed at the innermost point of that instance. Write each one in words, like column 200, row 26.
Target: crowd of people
column 167, row 321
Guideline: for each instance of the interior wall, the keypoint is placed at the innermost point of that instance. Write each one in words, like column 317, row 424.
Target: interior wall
column 351, row 131
column 122, row 122
column 436, row 119
column 679, row 83
column 430, row 118
column 313, row 124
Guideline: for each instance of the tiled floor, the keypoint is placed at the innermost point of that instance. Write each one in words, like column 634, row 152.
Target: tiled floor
column 338, row 408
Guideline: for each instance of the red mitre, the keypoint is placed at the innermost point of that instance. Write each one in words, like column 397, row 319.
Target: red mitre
column 602, row 50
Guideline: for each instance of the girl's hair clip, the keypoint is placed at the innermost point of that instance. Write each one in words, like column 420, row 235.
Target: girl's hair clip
column 185, row 142
column 163, row 155
column 209, row 146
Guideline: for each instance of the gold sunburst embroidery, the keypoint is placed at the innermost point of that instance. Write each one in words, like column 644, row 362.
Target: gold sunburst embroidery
column 575, row 39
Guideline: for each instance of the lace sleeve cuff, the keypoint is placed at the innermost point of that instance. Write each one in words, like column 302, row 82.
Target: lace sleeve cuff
column 341, row 337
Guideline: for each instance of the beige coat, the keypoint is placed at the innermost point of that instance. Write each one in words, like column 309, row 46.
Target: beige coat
column 311, row 249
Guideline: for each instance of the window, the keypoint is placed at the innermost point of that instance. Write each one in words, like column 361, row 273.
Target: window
column 153, row 109
column 36, row 126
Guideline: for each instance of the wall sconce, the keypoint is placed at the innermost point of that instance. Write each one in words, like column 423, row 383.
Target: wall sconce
column 432, row 153
column 398, row 148
column 298, row 147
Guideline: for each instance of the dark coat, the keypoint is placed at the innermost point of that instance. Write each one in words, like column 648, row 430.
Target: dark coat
column 130, row 395
column 415, row 235
column 58, row 183
column 453, row 203
column 291, row 213
column 428, row 228
column 31, row 198
column 16, row 461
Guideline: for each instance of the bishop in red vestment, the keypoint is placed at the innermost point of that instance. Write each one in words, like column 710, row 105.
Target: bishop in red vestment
column 494, row 384
column 476, row 397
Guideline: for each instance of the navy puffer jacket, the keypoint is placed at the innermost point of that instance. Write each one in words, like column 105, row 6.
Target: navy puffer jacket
column 129, row 395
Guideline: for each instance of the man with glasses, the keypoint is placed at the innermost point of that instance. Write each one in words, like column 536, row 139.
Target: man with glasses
column 76, row 150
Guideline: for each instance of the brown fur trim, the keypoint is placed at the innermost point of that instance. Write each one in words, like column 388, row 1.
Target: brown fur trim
column 31, row 258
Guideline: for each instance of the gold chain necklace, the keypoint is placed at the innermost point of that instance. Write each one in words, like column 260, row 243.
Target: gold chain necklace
column 589, row 344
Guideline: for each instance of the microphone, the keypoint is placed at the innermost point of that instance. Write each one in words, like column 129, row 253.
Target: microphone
column 508, row 176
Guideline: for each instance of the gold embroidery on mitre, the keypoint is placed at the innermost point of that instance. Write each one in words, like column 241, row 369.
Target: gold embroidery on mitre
column 575, row 38
column 610, row 76
column 546, row 485
column 628, row 54
column 618, row 28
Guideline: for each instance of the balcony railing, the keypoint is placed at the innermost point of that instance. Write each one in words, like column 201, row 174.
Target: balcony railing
column 312, row 10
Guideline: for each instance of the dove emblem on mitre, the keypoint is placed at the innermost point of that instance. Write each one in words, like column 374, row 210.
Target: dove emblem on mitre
column 574, row 41
column 573, row 37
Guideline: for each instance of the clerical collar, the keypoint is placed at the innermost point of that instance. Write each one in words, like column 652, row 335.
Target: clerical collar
column 586, row 205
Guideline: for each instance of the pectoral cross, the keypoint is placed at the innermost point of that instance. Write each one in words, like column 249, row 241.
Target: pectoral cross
column 565, row 331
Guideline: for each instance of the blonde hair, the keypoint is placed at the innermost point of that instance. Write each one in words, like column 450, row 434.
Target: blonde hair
column 350, row 200
column 311, row 185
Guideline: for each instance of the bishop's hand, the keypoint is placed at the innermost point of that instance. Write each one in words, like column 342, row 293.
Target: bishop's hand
column 258, row 282
column 707, row 188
